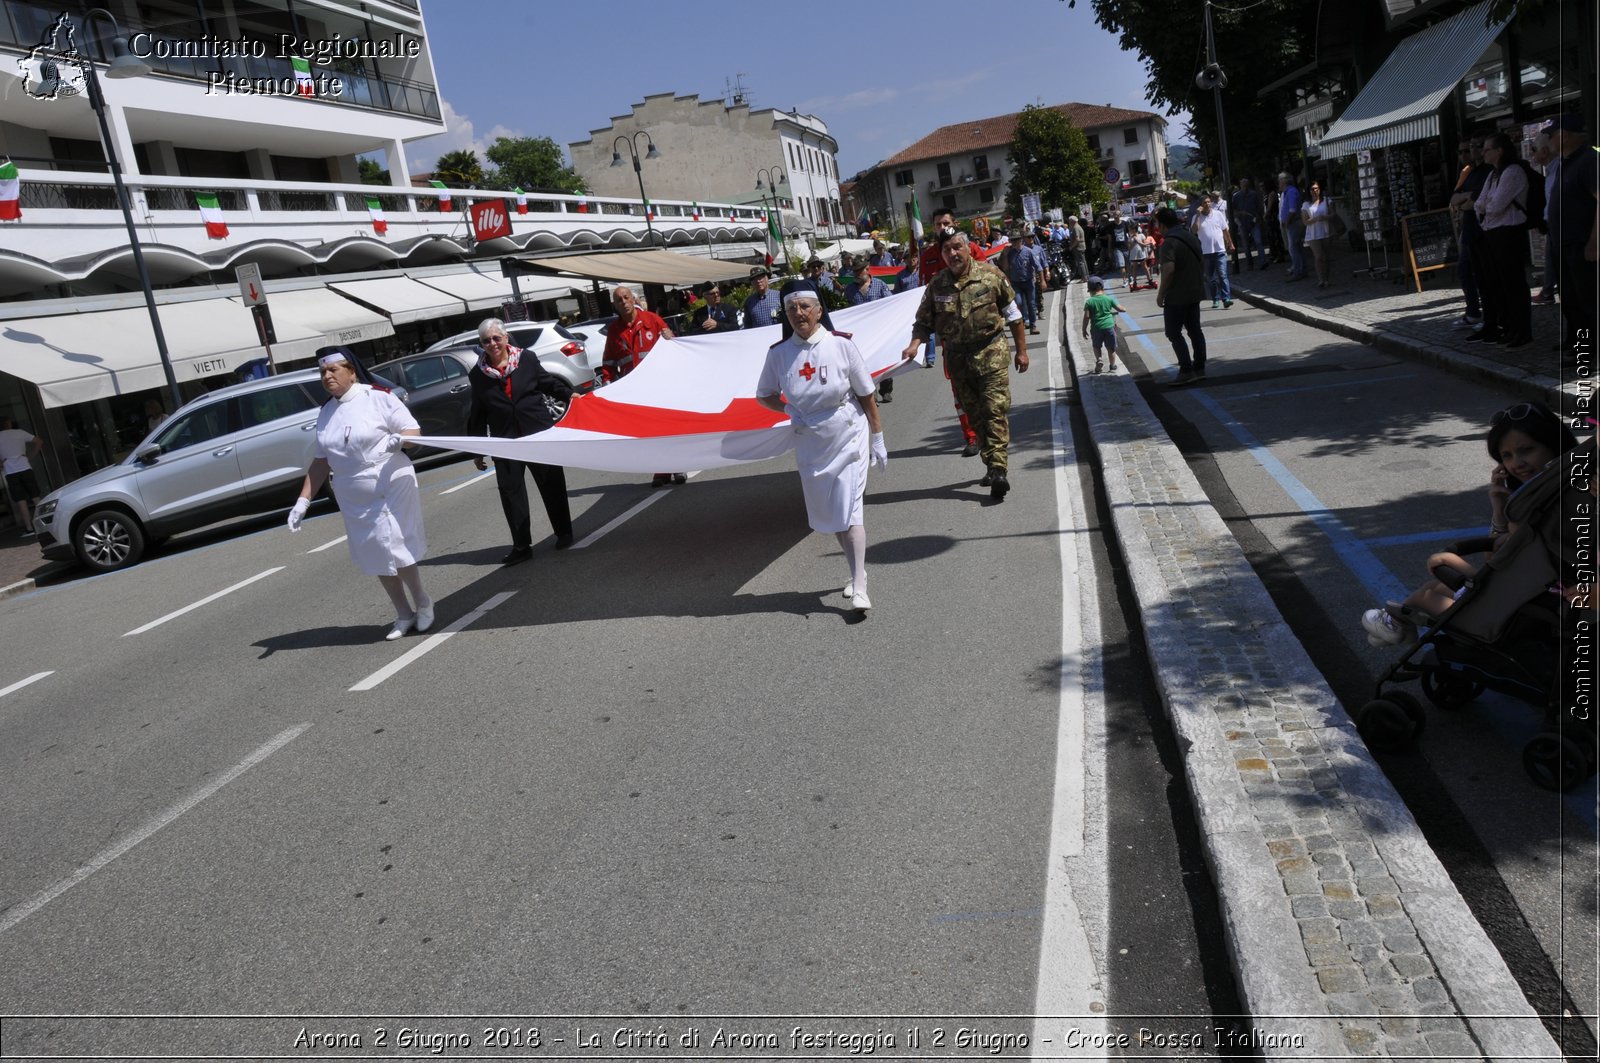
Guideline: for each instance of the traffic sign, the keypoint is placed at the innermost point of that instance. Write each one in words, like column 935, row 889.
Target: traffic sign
column 1112, row 176
column 250, row 285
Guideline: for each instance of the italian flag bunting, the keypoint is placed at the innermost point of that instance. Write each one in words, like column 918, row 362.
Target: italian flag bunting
column 211, row 214
column 302, row 76
column 696, row 212
column 375, row 209
column 583, row 205
column 649, row 211
column 522, row 202
column 444, row 194
column 10, row 192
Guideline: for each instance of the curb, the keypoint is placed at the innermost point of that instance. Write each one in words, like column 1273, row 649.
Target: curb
column 1151, row 492
column 1536, row 386
column 23, row 586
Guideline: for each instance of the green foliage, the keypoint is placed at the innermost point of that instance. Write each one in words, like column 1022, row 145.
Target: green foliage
column 533, row 164
column 1051, row 156
column 371, row 173
column 459, row 169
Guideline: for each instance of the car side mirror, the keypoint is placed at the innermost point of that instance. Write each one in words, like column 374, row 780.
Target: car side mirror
column 149, row 455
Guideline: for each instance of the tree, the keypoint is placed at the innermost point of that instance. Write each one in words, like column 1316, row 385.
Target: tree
column 531, row 164
column 371, row 173
column 459, row 169
column 1051, row 156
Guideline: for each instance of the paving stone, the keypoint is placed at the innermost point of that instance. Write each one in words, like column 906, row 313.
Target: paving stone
column 1412, row 966
column 1346, row 979
column 1403, row 944
column 1319, row 932
column 1429, row 991
column 1309, row 907
column 1346, row 909
column 1384, row 905
column 1454, row 1045
column 1358, row 933
column 1327, row 955
column 1361, row 1037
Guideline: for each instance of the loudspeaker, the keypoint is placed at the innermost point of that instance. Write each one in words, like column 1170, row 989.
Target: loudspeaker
column 1211, row 77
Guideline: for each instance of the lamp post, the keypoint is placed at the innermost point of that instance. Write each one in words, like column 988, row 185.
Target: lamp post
column 124, row 64
column 633, row 149
column 774, row 177
column 1214, row 79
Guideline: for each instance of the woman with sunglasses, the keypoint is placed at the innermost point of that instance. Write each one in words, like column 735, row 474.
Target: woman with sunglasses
column 1501, row 210
column 1522, row 440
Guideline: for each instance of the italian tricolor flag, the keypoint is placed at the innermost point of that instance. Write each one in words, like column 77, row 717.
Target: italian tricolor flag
column 583, row 205
column 914, row 211
column 696, row 212
column 444, row 194
column 375, row 210
column 522, row 202
column 211, row 214
column 10, row 193
column 773, row 230
column 302, row 76
column 649, row 211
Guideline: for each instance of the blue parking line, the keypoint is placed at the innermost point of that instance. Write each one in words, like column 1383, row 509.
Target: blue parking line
column 1448, row 535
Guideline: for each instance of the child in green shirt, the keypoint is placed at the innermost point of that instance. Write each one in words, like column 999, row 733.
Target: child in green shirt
column 1100, row 311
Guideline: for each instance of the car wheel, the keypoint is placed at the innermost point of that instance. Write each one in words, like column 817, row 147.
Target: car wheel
column 108, row 539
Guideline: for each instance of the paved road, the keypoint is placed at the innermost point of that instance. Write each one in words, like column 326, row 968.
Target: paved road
column 662, row 775
column 1339, row 469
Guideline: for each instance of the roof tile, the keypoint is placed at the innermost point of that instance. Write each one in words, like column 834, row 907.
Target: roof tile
column 962, row 137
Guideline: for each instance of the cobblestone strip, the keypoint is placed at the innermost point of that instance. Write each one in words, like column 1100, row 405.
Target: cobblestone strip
column 1346, row 935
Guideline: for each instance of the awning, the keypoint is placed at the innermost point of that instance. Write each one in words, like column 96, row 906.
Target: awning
column 402, row 299
column 486, row 290
column 75, row 358
column 317, row 310
column 1401, row 102
column 645, row 267
column 848, row 245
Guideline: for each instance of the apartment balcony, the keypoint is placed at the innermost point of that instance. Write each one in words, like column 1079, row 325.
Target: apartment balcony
column 72, row 231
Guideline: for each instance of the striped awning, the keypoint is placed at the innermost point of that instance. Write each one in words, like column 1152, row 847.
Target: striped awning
column 1401, row 102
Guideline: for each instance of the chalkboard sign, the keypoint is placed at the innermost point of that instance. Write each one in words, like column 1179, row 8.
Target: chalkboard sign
column 1430, row 242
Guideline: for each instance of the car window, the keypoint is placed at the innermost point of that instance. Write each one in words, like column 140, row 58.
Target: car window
column 561, row 330
column 524, row 337
column 196, row 427
column 453, row 368
column 423, row 372
column 271, row 404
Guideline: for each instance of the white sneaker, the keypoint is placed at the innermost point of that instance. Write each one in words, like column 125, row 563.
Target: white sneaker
column 424, row 619
column 1383, row 629
column 401, row 626
column 850, row 589
column 861, row 602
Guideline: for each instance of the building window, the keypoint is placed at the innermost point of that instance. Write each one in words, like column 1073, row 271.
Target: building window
column 1138, row 170
column 944, row 174
column 1130, row 135
column 986, row 194
column 904, row 178
column 949, row 203
column 980, row 167
column 1094, row 143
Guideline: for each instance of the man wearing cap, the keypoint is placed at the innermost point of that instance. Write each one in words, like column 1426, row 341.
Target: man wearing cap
column 1026, row 268
column 970, row 305
column 716, row 315
column 1572, row 227
column 762, row 306
column 817, row 273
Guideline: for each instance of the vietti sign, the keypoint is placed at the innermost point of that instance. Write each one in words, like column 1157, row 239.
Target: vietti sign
column 490, row 220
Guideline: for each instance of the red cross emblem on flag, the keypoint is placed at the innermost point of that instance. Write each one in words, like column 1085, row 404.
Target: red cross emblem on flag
column 807, row 371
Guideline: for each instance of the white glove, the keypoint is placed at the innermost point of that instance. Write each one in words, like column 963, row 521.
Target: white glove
column 393, row 443
column 298, row 513
column 880, row 453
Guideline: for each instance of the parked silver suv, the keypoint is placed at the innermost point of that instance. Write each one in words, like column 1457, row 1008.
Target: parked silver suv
column 234, row 451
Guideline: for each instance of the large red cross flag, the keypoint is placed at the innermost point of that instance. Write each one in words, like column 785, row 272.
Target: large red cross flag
column 692, row 403
column 490, row 220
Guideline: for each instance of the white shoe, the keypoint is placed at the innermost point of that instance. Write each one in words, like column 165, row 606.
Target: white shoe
column 401, row 626
column 424, row 619
column 850, row 589
column 860, row 601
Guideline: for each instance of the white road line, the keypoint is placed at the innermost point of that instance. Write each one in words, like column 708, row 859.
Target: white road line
column 204, row 601
column 658, row 495
column 15, row 915
column 482, row 476
column 433, row 643
column 327, row 546
column 14, row 687
column 1071, row 994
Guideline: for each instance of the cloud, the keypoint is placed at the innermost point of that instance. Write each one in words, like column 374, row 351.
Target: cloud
column 459, row 135
column 854, row 101
column 944, row 88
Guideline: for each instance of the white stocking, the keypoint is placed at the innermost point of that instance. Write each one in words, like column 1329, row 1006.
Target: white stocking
column 411, row 576
column 397, row 594
column 853, row 542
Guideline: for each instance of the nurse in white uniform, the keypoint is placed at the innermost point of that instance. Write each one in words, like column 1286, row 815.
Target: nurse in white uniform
column 817, row 377
column 360, row 433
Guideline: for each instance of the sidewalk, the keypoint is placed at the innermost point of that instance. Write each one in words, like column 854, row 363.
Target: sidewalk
column 22, row 567
column 1387, row 312
column 1347, row 937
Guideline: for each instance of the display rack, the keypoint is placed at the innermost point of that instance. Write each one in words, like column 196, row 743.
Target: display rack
column 1371, row 191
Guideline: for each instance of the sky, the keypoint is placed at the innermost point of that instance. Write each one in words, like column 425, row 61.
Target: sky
column 881, row 75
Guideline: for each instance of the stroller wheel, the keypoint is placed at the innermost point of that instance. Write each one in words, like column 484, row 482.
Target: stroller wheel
column 1450, row 690
column 1555, row 762
column 1390, row 724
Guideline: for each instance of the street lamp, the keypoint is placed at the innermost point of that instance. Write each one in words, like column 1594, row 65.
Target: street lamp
column 1212, row 77
column 633, row 149
column 765, row 176
column 124, row 64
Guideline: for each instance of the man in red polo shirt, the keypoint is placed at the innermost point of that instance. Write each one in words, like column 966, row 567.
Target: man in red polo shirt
column 630, row 337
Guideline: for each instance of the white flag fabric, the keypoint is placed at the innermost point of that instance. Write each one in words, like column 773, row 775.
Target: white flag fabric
column 691, row 403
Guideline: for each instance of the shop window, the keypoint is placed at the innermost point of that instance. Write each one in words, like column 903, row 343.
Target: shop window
column 1485, row 91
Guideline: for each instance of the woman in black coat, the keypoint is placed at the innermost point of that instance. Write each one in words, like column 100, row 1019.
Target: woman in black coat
column 511, row 397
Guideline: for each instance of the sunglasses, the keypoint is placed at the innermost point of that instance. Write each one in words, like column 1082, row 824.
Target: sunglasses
column 1520, row 412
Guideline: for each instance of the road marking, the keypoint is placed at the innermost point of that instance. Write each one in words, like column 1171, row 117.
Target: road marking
column 433, row 643
column 204, row 601
column 327, row 546
column 657, row 495
column 1448, row 535
column 1069, row 983
column 14, row 687
column 15, row 915
column 482, row 476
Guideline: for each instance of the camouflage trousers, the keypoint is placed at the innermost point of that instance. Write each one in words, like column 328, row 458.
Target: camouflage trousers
column 982, row 383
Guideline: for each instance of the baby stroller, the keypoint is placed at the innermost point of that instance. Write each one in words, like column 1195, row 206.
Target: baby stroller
column 1506, row 632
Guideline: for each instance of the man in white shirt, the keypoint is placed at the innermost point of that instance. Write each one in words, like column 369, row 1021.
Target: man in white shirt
column 15, row 446
column 1216, row 243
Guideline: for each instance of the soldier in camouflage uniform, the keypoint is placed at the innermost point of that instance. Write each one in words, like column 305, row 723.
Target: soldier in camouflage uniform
column 970, row 305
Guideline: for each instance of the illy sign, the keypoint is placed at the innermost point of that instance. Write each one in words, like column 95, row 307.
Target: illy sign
column 490, row 220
